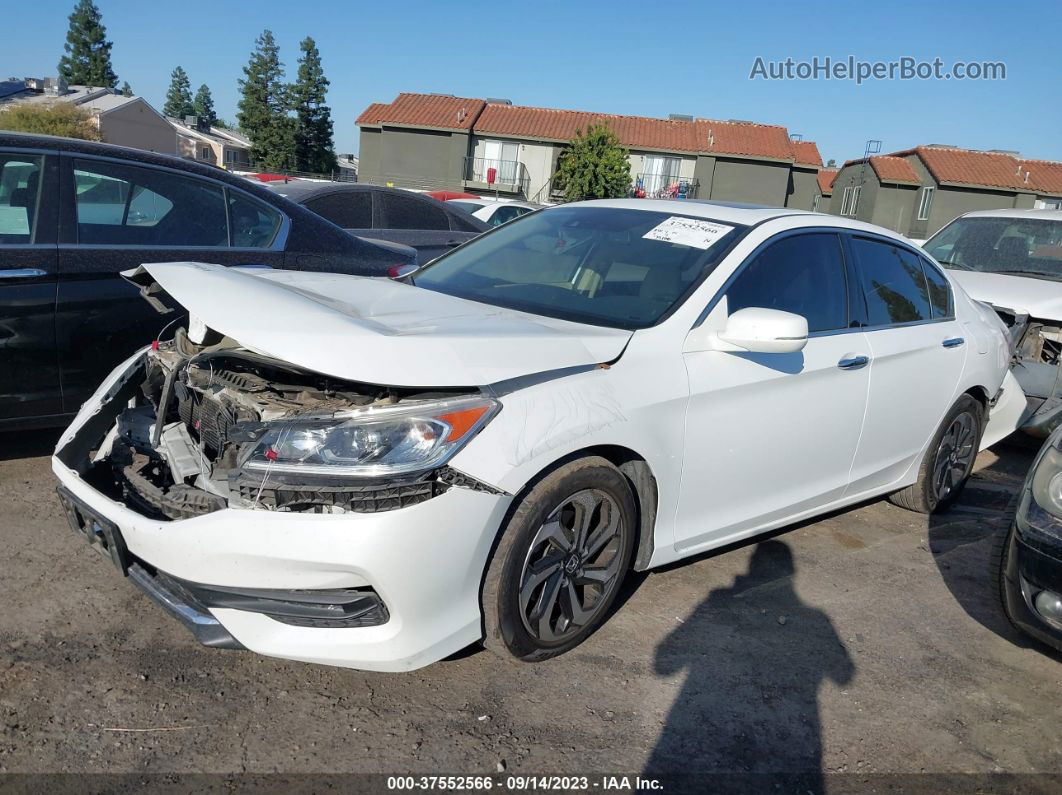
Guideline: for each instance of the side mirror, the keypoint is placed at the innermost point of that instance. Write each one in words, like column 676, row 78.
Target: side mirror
column 755, row 330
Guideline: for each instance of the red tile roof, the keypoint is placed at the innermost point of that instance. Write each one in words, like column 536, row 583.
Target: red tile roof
column 964, row 166
column 1046, row 175
column 425, row 110
column 806, row 153
column 891, row 168
column 826, row 176
column 635, row 132
column 562, row 125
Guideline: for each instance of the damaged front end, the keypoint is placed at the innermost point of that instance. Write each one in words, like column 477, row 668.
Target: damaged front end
column 199, row 426
column 1036, row 349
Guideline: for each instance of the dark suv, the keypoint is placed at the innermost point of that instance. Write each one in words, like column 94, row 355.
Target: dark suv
column 74, row 214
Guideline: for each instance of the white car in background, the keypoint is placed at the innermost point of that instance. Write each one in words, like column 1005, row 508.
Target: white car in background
column 1012, row 259
column 495, row 212
column 376, row 474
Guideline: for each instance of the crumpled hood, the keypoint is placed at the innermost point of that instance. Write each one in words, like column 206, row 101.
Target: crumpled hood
column 378, row 331
column 1040, row 298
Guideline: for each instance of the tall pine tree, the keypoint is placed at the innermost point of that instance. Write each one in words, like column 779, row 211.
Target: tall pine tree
column 88, row 53
column 313, row 134
column 203, row 105
column 127, row 90
column 263, row 107
column 179, row 95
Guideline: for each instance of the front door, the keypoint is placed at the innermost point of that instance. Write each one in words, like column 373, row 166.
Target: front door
column 119, row 217
column 29, row 373
column 770, row 436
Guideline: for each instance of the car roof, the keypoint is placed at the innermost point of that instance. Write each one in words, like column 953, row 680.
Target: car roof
column 1049, row 215
column 731, row 212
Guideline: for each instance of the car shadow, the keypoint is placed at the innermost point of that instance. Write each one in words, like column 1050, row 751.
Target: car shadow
column 755, row 656
column 28, row 444
column 964, row 540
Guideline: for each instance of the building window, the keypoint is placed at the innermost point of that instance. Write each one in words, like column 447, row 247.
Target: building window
column 658, row 175
column 206, row 152
column 925, row 203
column 1048, row 204
column 850, row 200
column 503, row 157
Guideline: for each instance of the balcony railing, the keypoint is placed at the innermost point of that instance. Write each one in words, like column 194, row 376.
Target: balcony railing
column 507, row 176
column 663, row 186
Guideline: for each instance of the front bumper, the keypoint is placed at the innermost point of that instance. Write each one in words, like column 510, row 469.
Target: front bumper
column 1031, row 567
column 425, row 562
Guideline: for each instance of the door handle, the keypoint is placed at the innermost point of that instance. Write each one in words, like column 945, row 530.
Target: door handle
column 851, row 362
column 22, row 273
column 953, row 342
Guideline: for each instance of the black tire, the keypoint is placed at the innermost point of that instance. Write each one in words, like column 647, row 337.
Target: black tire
column 997, row 568
column 534, row 562
column 927, row 494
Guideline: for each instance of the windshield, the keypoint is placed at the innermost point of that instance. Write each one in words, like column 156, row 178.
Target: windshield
column 468, row 207
column 623, row 268
column 1020, row 246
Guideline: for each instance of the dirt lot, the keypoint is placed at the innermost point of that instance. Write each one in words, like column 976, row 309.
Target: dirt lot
column 865, row 643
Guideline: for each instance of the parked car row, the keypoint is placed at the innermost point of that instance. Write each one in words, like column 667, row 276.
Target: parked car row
column 376, row 472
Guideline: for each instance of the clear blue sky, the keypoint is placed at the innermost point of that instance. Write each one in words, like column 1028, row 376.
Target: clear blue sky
column 609, row 56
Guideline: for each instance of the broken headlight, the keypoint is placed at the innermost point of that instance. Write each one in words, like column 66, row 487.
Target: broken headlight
column 371, row 442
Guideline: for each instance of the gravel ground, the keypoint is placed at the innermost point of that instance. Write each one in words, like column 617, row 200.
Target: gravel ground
column 866, row 643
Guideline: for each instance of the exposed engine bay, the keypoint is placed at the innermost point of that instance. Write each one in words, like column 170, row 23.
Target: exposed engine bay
column 189, row 418
column 1036, row 347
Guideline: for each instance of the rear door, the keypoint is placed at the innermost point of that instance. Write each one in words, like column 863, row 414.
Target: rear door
column 29, row 375
column 917, row 353
column 116, row 216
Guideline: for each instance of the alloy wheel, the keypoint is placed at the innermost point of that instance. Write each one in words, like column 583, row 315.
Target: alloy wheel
column 572, row 566
column 955, row 455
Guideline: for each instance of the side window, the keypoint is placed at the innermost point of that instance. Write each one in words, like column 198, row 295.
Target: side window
column 20, row 181
column 893, row 282
column 130, row 205
column 803, row 274
column 408, row 212
column 939, row 292
column 506, row 214
column 254, row 225
column 348, row 209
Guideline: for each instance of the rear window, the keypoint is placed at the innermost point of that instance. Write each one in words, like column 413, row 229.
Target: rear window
column 409, row 212
column 348, row 209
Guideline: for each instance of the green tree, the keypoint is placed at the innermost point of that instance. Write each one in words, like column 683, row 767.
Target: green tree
column 127, row 90
column 203, row 105
column 179, row 95
column 88, row 53
column 263, row 108
column 313, row 133
column 60, row 118
column 831, row 163
column 594, row 166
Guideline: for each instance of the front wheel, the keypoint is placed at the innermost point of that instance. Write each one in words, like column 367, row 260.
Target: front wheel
column 560, row 562
column 948, row 461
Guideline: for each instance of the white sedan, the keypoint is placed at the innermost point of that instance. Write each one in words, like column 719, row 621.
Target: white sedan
column 376, row 474
column 495, row 212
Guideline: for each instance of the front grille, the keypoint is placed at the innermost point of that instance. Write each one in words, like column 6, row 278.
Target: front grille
column 362, row 499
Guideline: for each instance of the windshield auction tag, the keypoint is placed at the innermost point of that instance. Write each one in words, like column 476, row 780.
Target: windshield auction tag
column 691, row 232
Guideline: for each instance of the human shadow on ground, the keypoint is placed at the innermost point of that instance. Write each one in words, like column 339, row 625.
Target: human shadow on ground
column 755, row 658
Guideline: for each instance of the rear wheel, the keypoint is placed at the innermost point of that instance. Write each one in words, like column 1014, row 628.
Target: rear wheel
column 560, row 562
column 948, row 461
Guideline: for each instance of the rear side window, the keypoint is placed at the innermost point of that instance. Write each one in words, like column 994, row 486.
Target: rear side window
column 254, row 225
column 409, row 212
column 348, row 209
column 893, row 283
column 802, row 274
column 127, row 205
column 939, row 292
column 20, row 181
